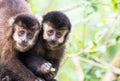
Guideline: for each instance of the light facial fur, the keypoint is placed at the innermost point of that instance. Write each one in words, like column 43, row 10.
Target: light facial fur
column 18, row 39
column 60, row 40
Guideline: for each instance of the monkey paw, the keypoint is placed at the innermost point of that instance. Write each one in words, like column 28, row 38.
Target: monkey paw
column 6, row 78
column 50, row 75
column 45, row 68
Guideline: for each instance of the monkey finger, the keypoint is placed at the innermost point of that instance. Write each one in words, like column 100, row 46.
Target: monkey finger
column 50, row 75
column 48, row 65
column 6, row 78
column 45, row 67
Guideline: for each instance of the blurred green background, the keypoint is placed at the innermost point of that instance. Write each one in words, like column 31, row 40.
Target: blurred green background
column 94, row 39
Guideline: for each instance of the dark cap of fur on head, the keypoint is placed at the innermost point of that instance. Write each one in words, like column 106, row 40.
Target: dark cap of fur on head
column 58, row 18
column 27, row 19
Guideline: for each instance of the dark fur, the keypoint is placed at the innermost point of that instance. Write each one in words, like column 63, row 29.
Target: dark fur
column 27, row 19
column 9, row 62
column 42, row 53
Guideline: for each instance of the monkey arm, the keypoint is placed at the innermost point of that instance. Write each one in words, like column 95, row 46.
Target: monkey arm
column 54, row 57
column 55, row 64
column 11, row 63
column 19, row 70
column 39, row 66
column 34, row 63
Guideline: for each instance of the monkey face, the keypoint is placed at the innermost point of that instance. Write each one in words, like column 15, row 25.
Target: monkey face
column 24, row 38
column 53, row 36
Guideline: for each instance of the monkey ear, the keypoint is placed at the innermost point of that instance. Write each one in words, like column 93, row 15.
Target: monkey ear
column 36, row 27
column 11, row 21
column 9, row 33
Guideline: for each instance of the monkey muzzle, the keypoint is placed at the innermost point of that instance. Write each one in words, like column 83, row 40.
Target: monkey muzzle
column 53, row 43
column 23, row 44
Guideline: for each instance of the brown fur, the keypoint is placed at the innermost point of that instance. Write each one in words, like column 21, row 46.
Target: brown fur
column 8, row 54
column 42, row 53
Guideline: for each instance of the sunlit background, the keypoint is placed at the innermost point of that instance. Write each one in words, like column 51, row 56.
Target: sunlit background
column 94, row 39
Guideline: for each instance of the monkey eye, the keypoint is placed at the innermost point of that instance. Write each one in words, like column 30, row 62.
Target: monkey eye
column 50, row 32
column 30, row 35
column 21, row 32
column 58, row 34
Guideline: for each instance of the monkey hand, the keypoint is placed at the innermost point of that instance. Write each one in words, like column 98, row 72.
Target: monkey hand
column 46, row 68
column 49, row 76
column 6, row 78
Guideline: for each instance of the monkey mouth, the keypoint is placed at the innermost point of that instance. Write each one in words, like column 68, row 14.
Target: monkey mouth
column 52, row 44
column 23, row 44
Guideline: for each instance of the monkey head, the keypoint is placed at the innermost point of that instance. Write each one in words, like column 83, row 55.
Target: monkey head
column 56, row 27
column 25, row 29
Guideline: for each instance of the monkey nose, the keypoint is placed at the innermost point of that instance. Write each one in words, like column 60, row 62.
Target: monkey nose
column 23, row 43
column 53, row 42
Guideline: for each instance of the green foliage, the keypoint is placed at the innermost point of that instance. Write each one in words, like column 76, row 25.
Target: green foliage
column 95, row 35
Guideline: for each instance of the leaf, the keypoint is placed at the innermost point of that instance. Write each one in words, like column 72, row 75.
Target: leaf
column 115, row 6
column 117, row 38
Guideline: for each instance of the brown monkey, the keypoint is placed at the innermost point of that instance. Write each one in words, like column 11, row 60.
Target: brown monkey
column 50, row 46
column 16, row 36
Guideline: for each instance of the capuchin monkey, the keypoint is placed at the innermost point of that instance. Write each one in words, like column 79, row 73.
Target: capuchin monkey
column 44, row 59
column 18, row 33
